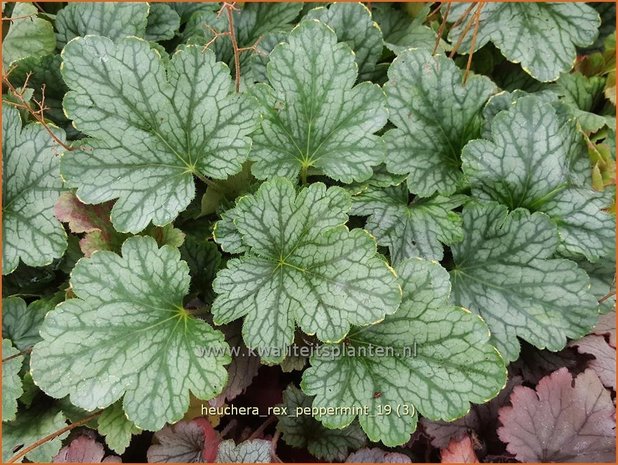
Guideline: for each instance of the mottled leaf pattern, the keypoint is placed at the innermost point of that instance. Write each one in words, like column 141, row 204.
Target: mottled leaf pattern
column 11, row 382
column 31, row 185
column 314, row 117
column 28, row 36
column 435, row 115
column 125, row 329
column 252, row 451
column 504, row 272
column 541, row 36
column 157, row 130
column 296, row 246
column 304, row 431
column 114, row 20
column 439, row 361
column 527, row 163
column 416, row 228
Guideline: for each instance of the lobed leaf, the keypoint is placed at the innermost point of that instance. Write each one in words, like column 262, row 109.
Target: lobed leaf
column 542, row 36
column 439, row 360
column 528, row 162
column 435, row 114
column 126, row 329
column 504, row 272
column 313, row 115
column 151, row 128
column 31, row 185
column 295, row 245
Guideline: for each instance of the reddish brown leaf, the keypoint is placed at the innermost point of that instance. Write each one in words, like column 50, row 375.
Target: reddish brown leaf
column 563, row 421
column 187, row 442
column 459, row 451
column 607, row 326
column 604, row 362
column 84, row 449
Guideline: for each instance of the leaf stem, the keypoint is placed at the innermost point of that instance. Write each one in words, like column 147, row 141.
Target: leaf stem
column 22, row 453
column 303, row 175
column 19, row 354
column 602, row 299
column 260, row 430
column 209, row 182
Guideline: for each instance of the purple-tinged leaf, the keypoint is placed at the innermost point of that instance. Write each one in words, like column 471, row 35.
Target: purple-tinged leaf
column 185, row 442
column 604, row 362
column 563, row 421
column 84, row 449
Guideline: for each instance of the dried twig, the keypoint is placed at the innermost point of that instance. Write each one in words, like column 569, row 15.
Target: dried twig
column 477, row 22
column 229, row 9
column 38, row 115
column 464, row 33
column 441, row 28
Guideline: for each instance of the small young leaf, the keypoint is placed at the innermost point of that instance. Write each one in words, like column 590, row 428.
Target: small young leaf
column 541, row 36
column 314, row 116
column 127, row 329
column 113, row 20
column 435, row 115
column 301, row 430
column 459, row 451
column 12, row 388
column 503, row 272
column 116, row 427
column 28, row 36
column 563, row 421
column 152, row 128
column 253, row 451
column 518, row 168
column 185, row 442
column 296, row 246
column 31, row 185
column 402, row 32
column 409, row 229
column 438, row 361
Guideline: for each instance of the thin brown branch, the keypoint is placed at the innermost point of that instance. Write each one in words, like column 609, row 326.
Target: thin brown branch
column 464, row 33
column 15, row 18
column 231, row 425
column 607, row 296
column 260, row 430
column 441, row 28
column 26, row 450
column 477, row 22
column 229, row 10
column 19, row 354
column 38, row 115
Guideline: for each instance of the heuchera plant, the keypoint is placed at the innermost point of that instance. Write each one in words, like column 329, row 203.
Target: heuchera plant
column 343, row 232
